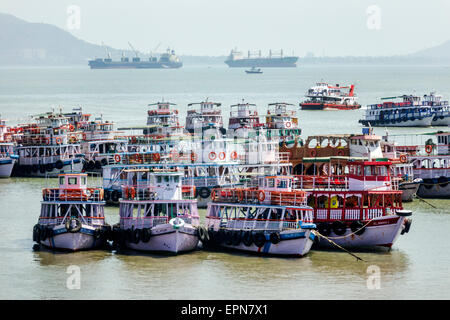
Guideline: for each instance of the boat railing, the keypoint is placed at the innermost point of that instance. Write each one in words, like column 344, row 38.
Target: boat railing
column 54, row 221
column 337, row 182
column 349, row 214
column 149, row 193
column 142, row 222
column 260, row 224
column 85, row 195
column 259, row 196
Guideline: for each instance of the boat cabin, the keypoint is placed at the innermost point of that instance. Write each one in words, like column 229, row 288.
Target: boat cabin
column 369, row 175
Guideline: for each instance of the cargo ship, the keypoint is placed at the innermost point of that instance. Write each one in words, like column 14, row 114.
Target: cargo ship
column 167, row 60
column 274, row 60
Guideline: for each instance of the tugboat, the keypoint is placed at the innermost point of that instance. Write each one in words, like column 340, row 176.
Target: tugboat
column 269, row 219
column 72, row 216
column 254, row 70
column 362, row 209
column 326, row 97
column 409, row 113
column 209, row 117
column 283, row 122
column 157, row 213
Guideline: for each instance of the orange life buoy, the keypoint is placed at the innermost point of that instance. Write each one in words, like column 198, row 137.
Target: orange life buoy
column 212, row 155
column 222, row 155
column 156, row 157
column 213, row 195
column 261, row 195
column 234, row 155
column 58, row 140
column 71, row 128
column 132, row 192
column 403, row 158
column 240, row 194
column 117, row 158
column 193, row 157
column 428, row 148
column 313, row 153
column 288, row 124
column 47, row 140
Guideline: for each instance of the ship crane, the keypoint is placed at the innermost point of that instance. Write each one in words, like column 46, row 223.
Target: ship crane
column 155, row 48
column 132, row 48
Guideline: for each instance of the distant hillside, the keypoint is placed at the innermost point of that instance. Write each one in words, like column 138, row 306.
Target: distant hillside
column 438, row 52
column 25, row 43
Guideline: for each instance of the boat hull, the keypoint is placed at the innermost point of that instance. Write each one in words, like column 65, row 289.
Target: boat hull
column 286, row 62
column 75, row 165
column 380, row 232
column 165, row 238
column 6, row 167
column 293, row 243
column 64, row 240
column 424, row 122
column 409, row 190
column 328, row 106
column 431, row 190
column 441, row 121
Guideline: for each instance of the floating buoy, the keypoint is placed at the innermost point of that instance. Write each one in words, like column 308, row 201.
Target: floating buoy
column 117, row 158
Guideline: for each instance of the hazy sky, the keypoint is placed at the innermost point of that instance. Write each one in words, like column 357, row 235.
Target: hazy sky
column 213, row 27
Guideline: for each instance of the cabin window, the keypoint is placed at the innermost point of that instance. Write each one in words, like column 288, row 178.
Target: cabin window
column 72, row 181
column 175, row 179
column 61, row 180
column 367, row 171
column 166, row 179
column 158, row 179
column 83, row 179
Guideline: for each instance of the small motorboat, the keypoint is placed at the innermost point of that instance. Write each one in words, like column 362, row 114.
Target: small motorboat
column 254, row 70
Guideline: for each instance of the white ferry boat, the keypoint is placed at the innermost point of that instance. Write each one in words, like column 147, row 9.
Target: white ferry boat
column 72, row 216
column 282, row 121
column 409, row 113
column 46, row 147
column 270, row 219
column 157, row 213
column 87, row 129
column 208, row 117
column 243, row 118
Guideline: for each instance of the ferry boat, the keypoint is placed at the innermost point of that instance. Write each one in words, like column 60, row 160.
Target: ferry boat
column 90, row 130
column 323, row 96
column 269, row 219
column 7, row 159
column 441, row 109
column 254, row 70
column 243, row 118
column 281, row 120
column 398, row 114
column 157, row 213
column 46, row 147
column 208, row 117
column 5, row 131
column 361, row 209
column 72, row 216
column 432, row 164
column 100, row 153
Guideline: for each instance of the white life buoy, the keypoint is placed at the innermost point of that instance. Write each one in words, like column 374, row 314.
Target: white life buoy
column 176, row 223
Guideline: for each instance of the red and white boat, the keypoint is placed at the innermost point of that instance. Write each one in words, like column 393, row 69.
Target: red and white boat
column 323, row 96
column 362, row 209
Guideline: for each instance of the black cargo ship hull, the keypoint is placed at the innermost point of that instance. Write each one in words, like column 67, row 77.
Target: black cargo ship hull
column 287, row 62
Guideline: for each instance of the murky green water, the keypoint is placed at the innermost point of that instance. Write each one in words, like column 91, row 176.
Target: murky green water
column 416, row 267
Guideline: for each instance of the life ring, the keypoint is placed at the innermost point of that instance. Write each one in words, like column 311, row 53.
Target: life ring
column 193, row 157
column 403, row 158
column 340, row 153
column 117, row 158
column 234, row 155
column 212, row 155
column 428, row 148
column 313, row 153
column 73, row 229
column 71, row 128
column 58, row 140
column 156, row 157
column 222, row 155
column 288, row 124
column 261, row 195
column 138, row 157
column 133, row 139
column 176, row 223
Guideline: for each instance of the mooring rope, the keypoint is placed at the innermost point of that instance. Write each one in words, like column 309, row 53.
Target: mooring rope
column 316, row 233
